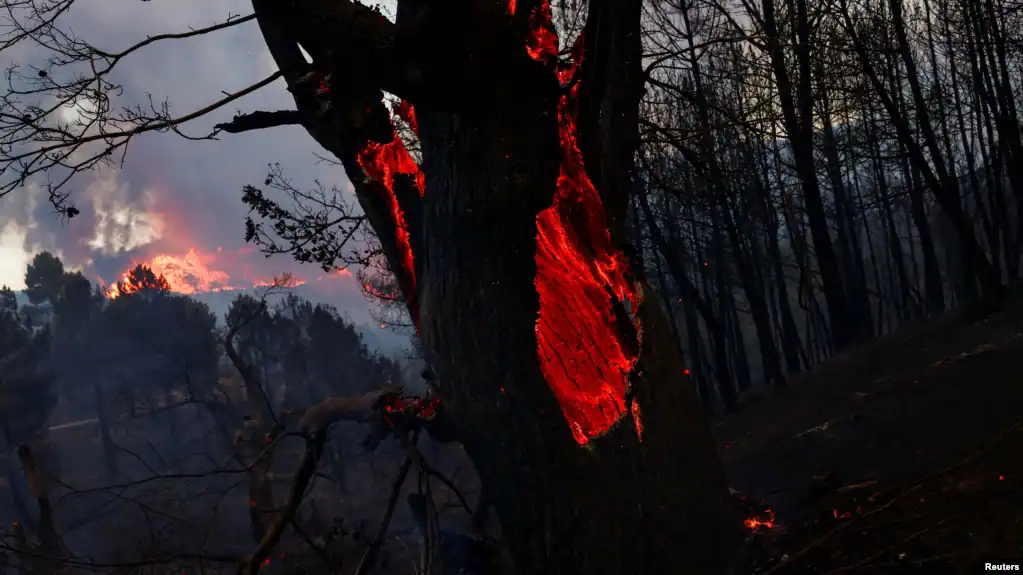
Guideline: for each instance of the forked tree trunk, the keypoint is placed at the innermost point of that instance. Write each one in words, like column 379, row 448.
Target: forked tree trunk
column 574, row 493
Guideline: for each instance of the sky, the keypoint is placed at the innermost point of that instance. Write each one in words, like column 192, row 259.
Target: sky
column 175, row 203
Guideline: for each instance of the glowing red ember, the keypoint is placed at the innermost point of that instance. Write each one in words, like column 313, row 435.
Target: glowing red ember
column 583, row 355
column 542, row 43
column 398, row 408
column 758, row 523
column 381, row 163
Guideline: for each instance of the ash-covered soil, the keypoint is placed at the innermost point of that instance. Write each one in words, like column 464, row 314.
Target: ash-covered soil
column 901, row 456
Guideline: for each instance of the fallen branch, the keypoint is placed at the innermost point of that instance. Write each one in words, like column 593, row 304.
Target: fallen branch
column 316, row 422
column 856, row 486
column 362, row 409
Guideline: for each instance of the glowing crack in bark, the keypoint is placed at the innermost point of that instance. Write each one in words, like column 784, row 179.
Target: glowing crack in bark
column 381, row 163
column 583, row 354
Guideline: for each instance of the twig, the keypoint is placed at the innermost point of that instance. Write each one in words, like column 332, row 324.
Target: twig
column 917, row 561
column 369, row 558
column 458, row 494
column 308, row 541
column 856, row 486
column 155, row 126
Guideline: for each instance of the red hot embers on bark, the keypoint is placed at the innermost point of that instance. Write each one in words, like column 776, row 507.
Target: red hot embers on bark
column 381, row 163
column 584, row 356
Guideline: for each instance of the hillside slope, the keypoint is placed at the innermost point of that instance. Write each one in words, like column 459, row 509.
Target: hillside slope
column 907, row 452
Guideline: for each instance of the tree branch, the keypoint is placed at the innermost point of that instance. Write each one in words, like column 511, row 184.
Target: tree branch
column 260, row 120
column 155, row 126
column 357, row 117
column 48, row 157
column 316, row 421
column 232, row 20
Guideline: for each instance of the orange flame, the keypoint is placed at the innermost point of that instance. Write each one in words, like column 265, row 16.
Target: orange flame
column 194, row 273
column 125, row 287
column 584, row 357
column 766, row 521
column 189, row 274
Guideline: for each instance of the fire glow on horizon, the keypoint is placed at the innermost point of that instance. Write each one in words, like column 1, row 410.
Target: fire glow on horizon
column 196, row 272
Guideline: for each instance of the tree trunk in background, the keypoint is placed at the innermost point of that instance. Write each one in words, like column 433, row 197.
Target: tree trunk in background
column 797, row 111
column 15, row 482
column 933, row 169
column 691, row 296
column 106, row 438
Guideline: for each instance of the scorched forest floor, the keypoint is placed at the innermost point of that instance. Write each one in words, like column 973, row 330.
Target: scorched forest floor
column 902, row 456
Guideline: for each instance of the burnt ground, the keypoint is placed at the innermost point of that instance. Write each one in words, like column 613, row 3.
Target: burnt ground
column 902, row 456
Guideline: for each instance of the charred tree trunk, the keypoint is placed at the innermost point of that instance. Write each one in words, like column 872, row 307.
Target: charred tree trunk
column 14, row 482
column 106, row 438
column 479, row 273
column 500, row 257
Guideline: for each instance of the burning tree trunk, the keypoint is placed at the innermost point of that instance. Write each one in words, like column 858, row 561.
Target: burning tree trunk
column 561, row 381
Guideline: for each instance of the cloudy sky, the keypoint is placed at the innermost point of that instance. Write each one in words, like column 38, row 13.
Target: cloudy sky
column 173, row 199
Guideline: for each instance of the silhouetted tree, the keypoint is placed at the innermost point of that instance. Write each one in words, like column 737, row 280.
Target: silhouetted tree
column 142, row 280
column 8, row 300
column 44, row 278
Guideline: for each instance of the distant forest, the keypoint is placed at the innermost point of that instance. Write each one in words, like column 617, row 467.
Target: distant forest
column 162, row 386
column 816, row 175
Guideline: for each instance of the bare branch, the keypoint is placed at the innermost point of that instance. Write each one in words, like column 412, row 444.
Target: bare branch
column 316, row 421
column 260, row 121
column 62, row 153
column 231, row 21
column 361, row 409
column 370, row 557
